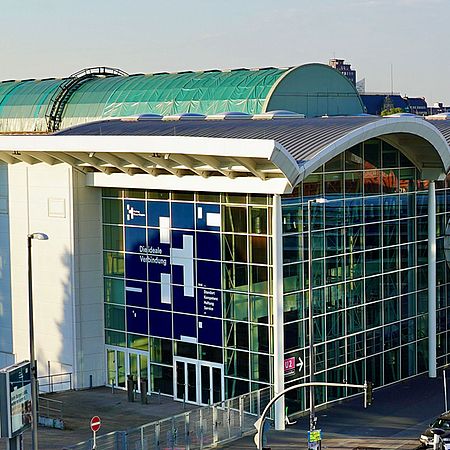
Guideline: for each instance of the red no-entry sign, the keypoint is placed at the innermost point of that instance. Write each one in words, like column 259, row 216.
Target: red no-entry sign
column 96, row 423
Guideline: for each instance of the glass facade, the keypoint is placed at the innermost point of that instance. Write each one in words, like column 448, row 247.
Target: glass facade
column 187, row 278
column 369, row 271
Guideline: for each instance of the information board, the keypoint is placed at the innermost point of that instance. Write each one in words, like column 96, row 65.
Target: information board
column 15, row 399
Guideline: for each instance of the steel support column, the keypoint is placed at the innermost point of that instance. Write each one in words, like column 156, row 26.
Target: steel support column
column 432, row 280
column 278, row 327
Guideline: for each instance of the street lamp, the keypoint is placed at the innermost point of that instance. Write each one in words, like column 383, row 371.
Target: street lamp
column 34, row 394
column 312, row 418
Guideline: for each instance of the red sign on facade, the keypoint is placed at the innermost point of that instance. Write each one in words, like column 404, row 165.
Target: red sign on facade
column 289, row 365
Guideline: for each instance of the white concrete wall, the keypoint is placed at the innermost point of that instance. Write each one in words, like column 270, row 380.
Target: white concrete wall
column 67, row 270
column 6, row 342
column 88, row 268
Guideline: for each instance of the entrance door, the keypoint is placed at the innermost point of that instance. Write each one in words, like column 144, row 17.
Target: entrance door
column 138, row 368
column 116, row 367
column 120, row 363
column 211, row 384
column 198, row 382
column 186, row 380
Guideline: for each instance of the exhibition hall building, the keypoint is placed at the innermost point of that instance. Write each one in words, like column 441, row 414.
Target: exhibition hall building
column 212, row 233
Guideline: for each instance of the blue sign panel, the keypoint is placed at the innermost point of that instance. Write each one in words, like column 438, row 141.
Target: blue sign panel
column 208, row 246
column 208, row 217
column 136, row 293
column 156, row 266
column 209, row 331
column 209, row 303
column 184, row 326
column 173, row 270
column 183, row 215
column 156, row 299
column 135, row 266
column 160, row 323
column 155, row 211
column 135, row 239
column 209, row 274
column 182, row 302
column 134, row 212
column 137, row 320
column 155, row 246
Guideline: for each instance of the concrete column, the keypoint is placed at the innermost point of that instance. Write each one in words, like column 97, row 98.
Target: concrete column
column 432, row 280
column 278, row 322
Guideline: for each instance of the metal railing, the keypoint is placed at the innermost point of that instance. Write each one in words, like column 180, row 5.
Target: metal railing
column 50, row 408
column 55, row 382
column 198, row 429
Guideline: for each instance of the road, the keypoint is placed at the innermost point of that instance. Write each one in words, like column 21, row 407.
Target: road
column 398, row 415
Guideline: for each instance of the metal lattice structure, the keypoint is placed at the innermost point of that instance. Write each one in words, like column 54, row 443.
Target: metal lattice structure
column 65, row 91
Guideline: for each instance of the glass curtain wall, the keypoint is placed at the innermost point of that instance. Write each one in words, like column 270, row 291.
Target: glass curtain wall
column 369, row 272
column 222, row 315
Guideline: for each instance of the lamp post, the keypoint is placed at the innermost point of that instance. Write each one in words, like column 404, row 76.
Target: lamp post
column 312, row 417
column 444, row 376
column 34, row 394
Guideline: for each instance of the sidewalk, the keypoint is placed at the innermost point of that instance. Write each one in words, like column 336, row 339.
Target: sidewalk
column 295, row 439
column 114, row 410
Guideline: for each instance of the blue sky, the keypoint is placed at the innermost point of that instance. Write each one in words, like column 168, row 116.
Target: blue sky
column 44, row 38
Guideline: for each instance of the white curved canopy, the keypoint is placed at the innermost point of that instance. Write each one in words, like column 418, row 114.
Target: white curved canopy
column 420, row 141
column 219, row 157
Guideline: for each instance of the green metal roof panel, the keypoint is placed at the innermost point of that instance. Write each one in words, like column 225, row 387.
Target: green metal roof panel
column 23, row 105
column 172, row 93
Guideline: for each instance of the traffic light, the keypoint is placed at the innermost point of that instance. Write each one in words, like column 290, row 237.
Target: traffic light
column 368, row 394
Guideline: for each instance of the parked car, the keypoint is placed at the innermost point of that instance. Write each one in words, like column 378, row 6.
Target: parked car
column 442, row 422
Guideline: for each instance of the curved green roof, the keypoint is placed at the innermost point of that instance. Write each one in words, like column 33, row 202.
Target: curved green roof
column 23, row 104
column 312, row 89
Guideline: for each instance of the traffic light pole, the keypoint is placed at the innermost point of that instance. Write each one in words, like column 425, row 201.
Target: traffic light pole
column 259, row 424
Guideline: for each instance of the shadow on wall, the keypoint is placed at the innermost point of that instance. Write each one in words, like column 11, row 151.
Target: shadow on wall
column 55, row 349
column 6, row 340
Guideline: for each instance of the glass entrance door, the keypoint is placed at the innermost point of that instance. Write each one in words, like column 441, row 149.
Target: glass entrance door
column 198, row 382
column 138, row 368
column 186, row 380
column 120, row 363
column 211, row 384
column 116, row 367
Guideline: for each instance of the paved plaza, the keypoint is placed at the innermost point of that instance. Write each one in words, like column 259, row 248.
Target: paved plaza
column 114, row 410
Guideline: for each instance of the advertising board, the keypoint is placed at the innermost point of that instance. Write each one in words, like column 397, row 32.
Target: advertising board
column 15, row 399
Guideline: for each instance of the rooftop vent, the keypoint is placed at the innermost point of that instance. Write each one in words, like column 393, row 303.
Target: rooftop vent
column 229, row 115
column 404, row 115
column 137, row 117
column 185, row 116
column 279, row 114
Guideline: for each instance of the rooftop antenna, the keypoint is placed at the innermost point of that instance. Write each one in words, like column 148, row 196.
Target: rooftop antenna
column 392, row 79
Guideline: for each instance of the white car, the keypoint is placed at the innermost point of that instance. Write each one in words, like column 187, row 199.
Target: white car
column 442, row 423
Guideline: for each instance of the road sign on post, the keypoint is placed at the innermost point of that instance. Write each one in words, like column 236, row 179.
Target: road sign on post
column 314, row 440
column 96, row 423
